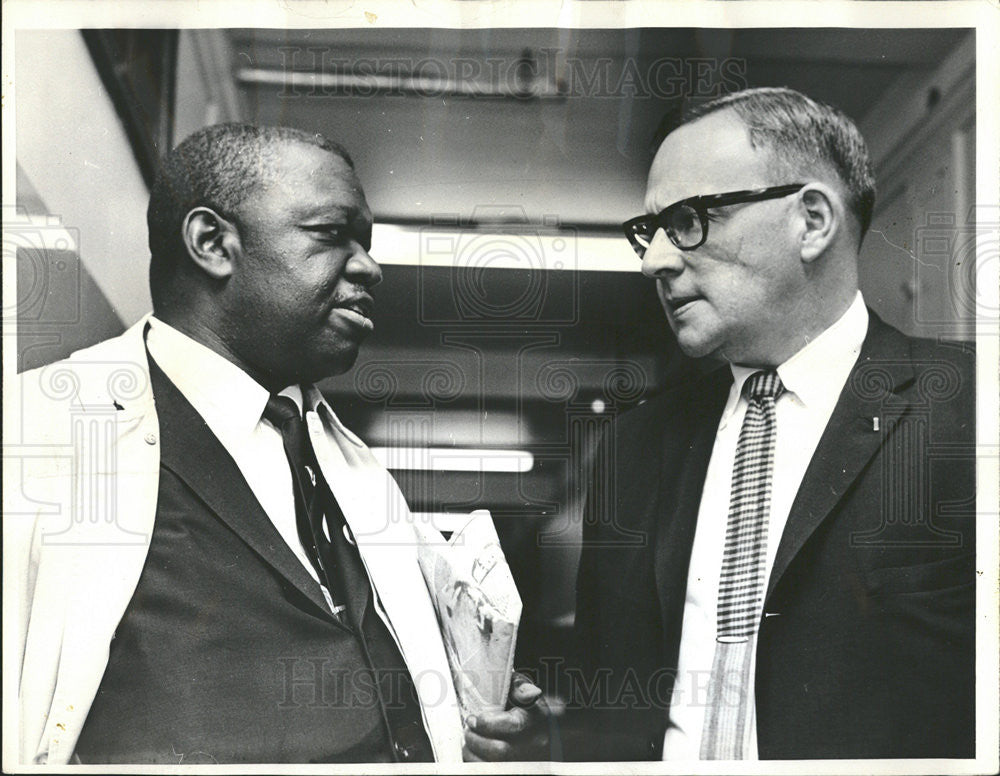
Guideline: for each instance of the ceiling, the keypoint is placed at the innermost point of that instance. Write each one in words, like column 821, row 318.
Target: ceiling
column 577, row 152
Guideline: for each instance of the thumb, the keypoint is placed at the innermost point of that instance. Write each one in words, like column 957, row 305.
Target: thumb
column 523, row 692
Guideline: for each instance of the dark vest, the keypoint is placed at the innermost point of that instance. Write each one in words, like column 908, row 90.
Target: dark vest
column 227, row 651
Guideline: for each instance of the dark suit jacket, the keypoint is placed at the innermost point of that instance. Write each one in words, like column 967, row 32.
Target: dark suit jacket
column 871, row 653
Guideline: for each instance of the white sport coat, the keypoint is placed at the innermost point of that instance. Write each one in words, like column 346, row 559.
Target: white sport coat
column 81, row 476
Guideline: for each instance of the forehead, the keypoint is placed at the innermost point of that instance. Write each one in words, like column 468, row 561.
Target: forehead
column 304, row 181
column 711, row 155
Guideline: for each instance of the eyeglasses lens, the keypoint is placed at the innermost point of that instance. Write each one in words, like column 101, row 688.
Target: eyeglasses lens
column 642, row 234
column 683, row 226
column 681, row 223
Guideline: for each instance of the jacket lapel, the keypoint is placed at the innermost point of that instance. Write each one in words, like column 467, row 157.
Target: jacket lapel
column 192, row 452
column 877, row 383
column 688, row 445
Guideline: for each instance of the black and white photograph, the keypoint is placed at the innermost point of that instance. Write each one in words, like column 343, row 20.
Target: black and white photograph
column 465, row 386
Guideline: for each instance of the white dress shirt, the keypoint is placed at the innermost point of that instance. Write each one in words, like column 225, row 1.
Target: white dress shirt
column 813, row 379
column 232, row 405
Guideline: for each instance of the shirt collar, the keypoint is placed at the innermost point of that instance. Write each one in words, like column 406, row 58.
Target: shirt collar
column 312, row 398
column 230, row 401
column 815, row 374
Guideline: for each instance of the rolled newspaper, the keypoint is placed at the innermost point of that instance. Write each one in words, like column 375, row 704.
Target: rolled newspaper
column 478, row 608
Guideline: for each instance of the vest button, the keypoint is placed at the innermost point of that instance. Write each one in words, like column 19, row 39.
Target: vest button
column 402, row 752
column 150, row 439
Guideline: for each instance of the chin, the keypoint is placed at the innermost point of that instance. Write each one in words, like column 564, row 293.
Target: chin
column 696, row 347
column 338, row 363
column 315, row 367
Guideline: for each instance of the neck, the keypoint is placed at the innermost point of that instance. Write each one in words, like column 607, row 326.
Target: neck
column 808, row 319
column 207, row 334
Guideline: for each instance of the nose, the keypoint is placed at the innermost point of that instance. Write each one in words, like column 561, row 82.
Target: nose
column 662, row 257
column 363, row 269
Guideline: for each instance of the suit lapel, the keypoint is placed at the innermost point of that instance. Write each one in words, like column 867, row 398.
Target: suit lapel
column 191, row 451
column 877, row 383
column 687, row 449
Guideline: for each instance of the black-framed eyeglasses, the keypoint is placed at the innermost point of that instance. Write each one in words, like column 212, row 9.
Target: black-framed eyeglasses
column 686, row 222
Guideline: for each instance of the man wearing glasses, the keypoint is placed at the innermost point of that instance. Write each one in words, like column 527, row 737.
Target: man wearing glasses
column 778, row 557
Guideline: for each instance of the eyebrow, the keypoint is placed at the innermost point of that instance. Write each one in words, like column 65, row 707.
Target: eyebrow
column 328, row 214
column 336, row 216
column 318, row 226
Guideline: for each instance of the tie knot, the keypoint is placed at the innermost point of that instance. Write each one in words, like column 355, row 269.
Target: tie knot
column 764, row 385
column 281, row 409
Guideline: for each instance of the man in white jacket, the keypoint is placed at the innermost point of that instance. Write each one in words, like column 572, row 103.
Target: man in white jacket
column 189, row 575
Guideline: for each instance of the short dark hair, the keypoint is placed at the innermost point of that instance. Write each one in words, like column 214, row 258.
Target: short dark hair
column 215, row 167
column 801, row 133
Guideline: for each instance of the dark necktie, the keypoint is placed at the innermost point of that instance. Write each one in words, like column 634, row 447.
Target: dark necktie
column 741, row 582
column 341, row 569
column 308, row 485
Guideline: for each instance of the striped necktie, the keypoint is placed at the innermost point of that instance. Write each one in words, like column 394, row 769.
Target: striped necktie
column 726, row 729
column 307, row 484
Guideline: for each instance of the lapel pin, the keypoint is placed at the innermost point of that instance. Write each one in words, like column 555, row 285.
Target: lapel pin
column 875, row 423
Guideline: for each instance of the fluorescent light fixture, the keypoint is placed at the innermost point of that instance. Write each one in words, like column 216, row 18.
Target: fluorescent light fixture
column 369, row 84
column 454, row 459
column 481, row 248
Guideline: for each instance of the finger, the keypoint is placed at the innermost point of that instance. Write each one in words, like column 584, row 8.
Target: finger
column 483, row 748
column 517, row 678
column 500, row 724
column 523, row 692
column 469, row 757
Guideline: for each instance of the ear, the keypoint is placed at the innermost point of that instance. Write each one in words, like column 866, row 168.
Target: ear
column 211, row 241
column 822, row 218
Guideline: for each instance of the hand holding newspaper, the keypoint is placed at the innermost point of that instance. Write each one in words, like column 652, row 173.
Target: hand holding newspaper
column 478, row 609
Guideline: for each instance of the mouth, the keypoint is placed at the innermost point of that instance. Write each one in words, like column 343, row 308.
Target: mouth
column 358, row 310
column 679, row 304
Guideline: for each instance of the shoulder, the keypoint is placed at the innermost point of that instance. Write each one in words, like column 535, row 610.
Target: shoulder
column 945, row 383
column 691, row 392
column 112, row 375
column 883, row 337
column 108, row 367
column 930, row 359
column 928, row 354
column 937, row 377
